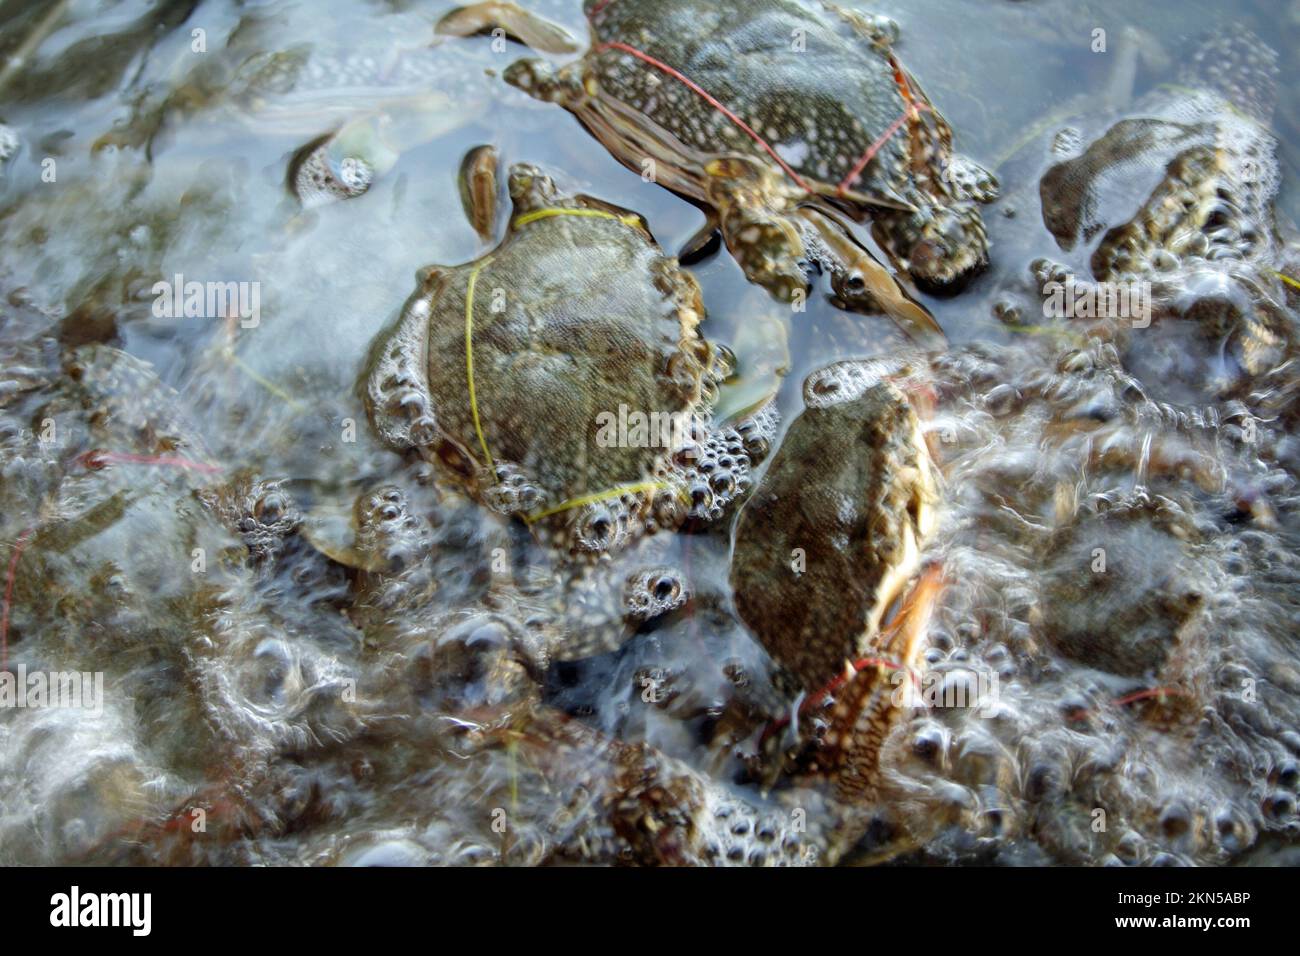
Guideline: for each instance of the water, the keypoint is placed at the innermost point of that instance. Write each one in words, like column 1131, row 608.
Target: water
column 228, row 686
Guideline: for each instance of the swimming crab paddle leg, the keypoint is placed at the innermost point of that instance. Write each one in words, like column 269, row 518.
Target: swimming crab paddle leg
column 857, row 276
column 528, row 28
column 480, row 191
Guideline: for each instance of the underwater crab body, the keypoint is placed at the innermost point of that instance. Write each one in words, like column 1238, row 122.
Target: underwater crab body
column 514, row 370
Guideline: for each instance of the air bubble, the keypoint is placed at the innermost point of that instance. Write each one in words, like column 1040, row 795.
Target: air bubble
column 847, row 381
column 602, row 527
column 652, row 592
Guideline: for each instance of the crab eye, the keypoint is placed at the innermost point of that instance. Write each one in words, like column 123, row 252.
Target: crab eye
column 855, row 283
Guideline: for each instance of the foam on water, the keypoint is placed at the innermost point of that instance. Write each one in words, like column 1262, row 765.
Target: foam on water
column 369, row 700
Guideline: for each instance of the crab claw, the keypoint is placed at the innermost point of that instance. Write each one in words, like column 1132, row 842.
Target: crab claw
column 903, row 638
column 530, row 188
column 876, row 693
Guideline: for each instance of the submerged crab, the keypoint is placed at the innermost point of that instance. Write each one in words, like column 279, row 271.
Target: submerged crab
column 1181, row 194
column 777, row 138
column 409, row 562
column 847, row 502
column 1121, row 591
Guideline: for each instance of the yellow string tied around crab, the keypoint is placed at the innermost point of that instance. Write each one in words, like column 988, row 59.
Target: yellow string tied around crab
column 525, row 219
column 469, row 357
column 548, row 212
column 591, row 499
column 1287, row 279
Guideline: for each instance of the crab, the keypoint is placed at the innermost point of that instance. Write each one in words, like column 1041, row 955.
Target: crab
column 1122, row 593
column 561, row 379
column 1178, row 195
column 1088, row 574
column 782, row 141
column 830, row 543
column 850, row 496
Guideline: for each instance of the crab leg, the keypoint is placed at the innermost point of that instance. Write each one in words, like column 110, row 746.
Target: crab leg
column 874, row 694
column 911, row 318
column 480, row 191
column 528, row 28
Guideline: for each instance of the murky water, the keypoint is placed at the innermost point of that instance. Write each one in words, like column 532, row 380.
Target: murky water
column 172, row 488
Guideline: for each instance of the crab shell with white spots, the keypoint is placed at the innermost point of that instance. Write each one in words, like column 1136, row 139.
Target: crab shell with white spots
column 807, row 91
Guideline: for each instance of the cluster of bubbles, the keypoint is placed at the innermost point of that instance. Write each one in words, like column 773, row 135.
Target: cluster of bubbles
column 1124, row 730
column 649, row 593
column 719, row 476
column 388, row 531
column 513, row 491
column 400, row 406
column 843, row 382
column 608, row 525
column 318, row 178
column 705, row 475
column 1223, row 230
column 260, row 511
